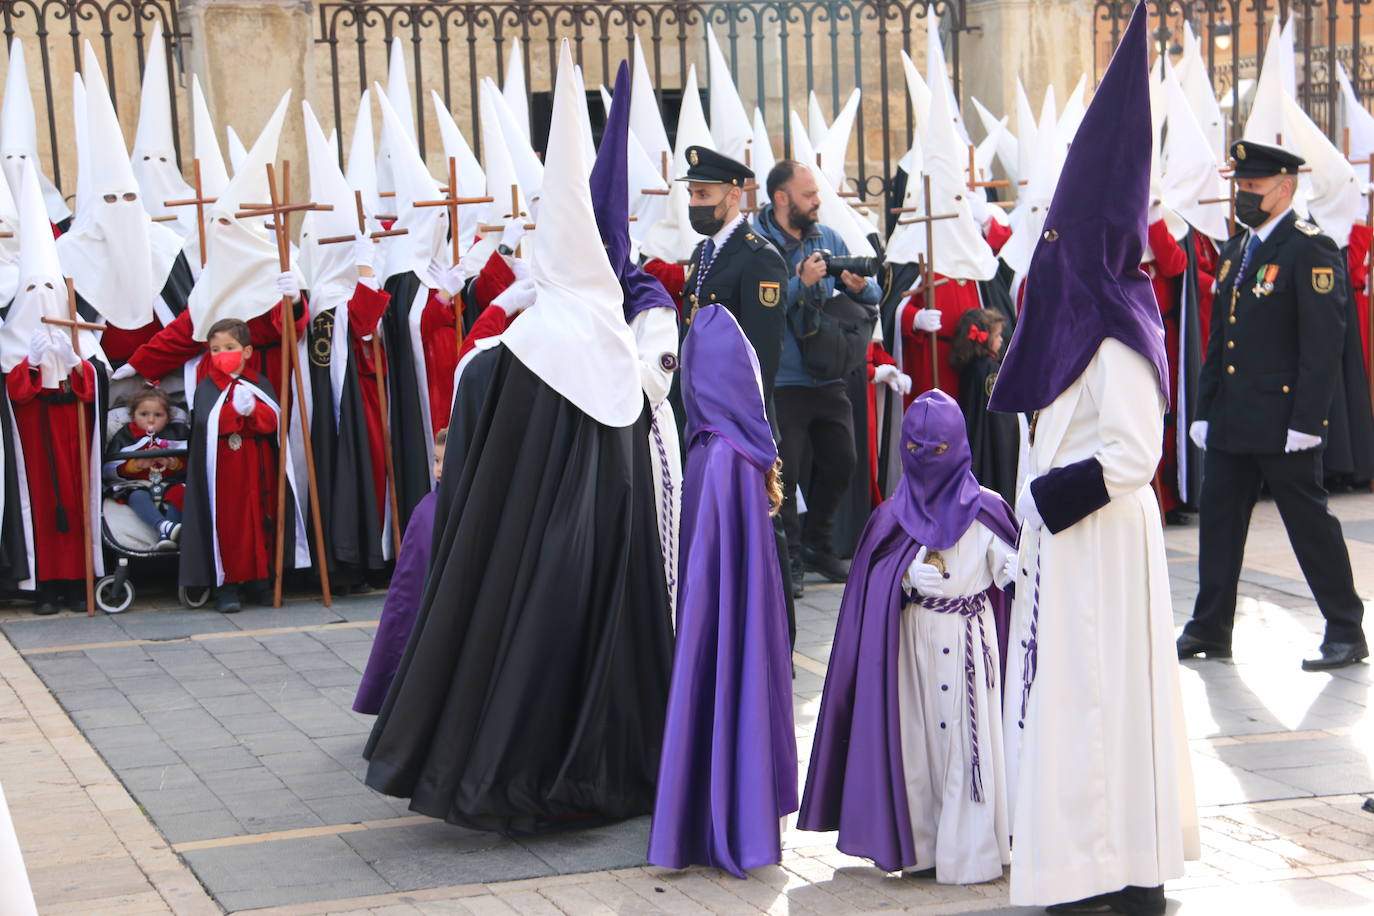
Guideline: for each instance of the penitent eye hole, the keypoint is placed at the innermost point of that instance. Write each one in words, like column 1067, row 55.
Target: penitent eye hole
column 913, row 446
column 942, row 448
column 161, row 158
column 111, row 198
column 223, row 220
column 130, row 195
column 147, row 158
column 48, row 285
column 31, row 287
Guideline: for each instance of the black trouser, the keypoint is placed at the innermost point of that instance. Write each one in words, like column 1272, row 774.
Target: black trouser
column 817, row 421
column 1230, row 486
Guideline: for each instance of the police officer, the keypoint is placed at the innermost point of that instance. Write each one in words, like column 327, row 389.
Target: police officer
column 1278, row 322
column 734, row 266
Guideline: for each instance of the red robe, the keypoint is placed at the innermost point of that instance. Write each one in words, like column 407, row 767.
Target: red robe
column 54, row 476
column 495, row 278
column 245, row 486
column 119, row 344
column 173, row 347
column 672, row 276
column 877, row 356
column 1357, row 254
column 1170, row 261
column 364, row 313
column 1205, row 255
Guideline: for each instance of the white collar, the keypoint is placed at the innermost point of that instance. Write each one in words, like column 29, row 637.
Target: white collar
column 723, row 235
column 1263, row 232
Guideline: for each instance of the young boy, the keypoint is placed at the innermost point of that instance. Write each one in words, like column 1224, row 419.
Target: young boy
column 228, row 536
column 402, row 598
column 154, row 488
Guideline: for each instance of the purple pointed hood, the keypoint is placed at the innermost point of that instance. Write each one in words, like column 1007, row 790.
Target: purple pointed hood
column 1085, row 283
column 721, row 388
column 611, row 200
column 938, row 497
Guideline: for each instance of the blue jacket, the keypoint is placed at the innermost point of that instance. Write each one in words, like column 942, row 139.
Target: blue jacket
column 794, row 251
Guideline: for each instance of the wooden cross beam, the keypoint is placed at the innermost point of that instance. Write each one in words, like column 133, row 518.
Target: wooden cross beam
column 514, row 212
column 200, row 201
column 452, row 202
column 973, row 182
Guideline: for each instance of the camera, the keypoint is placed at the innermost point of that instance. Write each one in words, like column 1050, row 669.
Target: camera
column 863, row 267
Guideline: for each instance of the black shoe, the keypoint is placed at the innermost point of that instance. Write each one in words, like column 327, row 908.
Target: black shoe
column 1178, row 517
column 798, row 578
column 1189, row 646
column 46, row 607
column 1102, row 903
column 925, row 874
column 76, row 596
column 1130, row 901
column 1337, row 655
column 227, row 599
column 259, row 593
column 827, row 564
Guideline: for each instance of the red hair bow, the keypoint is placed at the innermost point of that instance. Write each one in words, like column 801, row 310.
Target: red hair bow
column 977, row 336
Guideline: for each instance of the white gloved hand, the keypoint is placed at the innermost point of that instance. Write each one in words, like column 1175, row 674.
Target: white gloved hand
column 1301, row 442
column 1156, row 211
column 516, row 298
column 1197, row 431
column 1009, row 570
column 364, row 252
column 928, row 320
column 1027, row 510
column 66, row 356
column 288, row 286
column 886, row 375
column 243, row 399
column 904, row 383
column 448, row 280
column 978, row 206
column 513, row 233
column 40, row 344
column 521, row 268
column 930, row 582
column 125, row 371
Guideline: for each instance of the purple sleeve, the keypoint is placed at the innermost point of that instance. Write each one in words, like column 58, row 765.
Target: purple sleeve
column 1065, row 496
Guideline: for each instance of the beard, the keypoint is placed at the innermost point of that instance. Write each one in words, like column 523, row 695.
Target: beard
column 801, row 221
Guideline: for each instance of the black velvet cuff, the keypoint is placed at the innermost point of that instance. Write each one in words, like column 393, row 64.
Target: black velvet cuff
column 1065, row 496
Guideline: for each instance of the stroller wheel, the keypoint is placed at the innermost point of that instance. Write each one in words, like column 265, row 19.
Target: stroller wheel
column 113, row 596
column 194, row 598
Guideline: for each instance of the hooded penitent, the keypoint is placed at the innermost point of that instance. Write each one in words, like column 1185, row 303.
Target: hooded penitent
column 9, row 247
column 154, row 158
column 834, row 146
column 730, row 128
column 398, row 94
column 472, row 181
column 514, row 95
column 856, row 783
column 426, row 227
column 672, row 238
column 1191, row 172
column 1085, row 283
column 117, row 257
column 646, row 122
column 19, row 136
column 362, row 155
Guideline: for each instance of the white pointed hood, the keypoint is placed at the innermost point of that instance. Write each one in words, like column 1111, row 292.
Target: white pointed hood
column 1033, row 199
column 960, row 251
column 214, row 177
column 238, row 153
column 643, row 174
column 1266, row 122
column 472, row 181
column 1357, row 118
column 9, row 248
column 1288, row 58
column 83, row 147
column 1005, row 143
column 672, row 238
column 584, row 116
column 817, row 126
column 240, row 275
column 919, row 95
column 522, row 156
column 514, row 95
column 834, row 147
column 19, row 136
column 1202, row 97
column 426, row 237
column 646, row 121
column 730, row 127
column 117, row 257
column 362, row 156
column 763, row 158
column 574, row 336
column 1027, row 130
column 398, row 94
column 500, row 165
column 937, row 74
column 42, row 291
column 1333, row 190
column 1075, row 107
column 335, row 275
column 835, row 212
column 154, row 155
column 1190, row 173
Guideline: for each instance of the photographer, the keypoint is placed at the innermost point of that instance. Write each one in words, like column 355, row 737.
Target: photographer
column 814, row 412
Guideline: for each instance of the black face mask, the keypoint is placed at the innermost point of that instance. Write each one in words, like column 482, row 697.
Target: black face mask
column 704, row 220
column 1248, row 209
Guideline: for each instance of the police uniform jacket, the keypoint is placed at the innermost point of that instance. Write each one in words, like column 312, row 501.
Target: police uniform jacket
column 748, row 277
column 1275, row 350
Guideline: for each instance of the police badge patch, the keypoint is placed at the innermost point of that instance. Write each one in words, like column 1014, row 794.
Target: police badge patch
column 769, row 294
column 1323, row 279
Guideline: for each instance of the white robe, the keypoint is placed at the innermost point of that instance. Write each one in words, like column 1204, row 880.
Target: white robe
column 16, row 897
column 1102, row 788
column 656, row 334
column 966, row 841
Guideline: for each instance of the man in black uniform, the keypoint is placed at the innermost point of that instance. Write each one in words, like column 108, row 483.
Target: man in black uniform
column 734, row 265
column 1278, row 322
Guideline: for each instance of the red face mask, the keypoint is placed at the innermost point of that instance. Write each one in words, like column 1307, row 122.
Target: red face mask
column 227, row 362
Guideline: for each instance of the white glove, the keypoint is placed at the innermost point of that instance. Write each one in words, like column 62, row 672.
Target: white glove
column 40, row 344
column 928, row 320
column 1009, row 570
column 243, row 400
column 1301, row 442
column 448, row 280
column 903, row 383
column 930, row 582
column 1156, row 212
column 886, row 375
column 516, row 298
column 288, row 285
column 66, row 356
column 125, row 371
column 364, row 252
column 978, row 206
column 1197, row 431
column 1028, row 511
column 513, row 233
column 521, row 268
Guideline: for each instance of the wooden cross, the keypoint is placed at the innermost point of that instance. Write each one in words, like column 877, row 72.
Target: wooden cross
column 973, row 183
column 452, row 203
column 74, row 324
column 280, row 209
column 200, row 201
column 514, row 212
column 926, row 287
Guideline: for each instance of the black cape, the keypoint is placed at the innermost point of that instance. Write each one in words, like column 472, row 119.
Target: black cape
column 532, row 693
column 1349, row 455
column 343, row 461
column 993, row 438
column 14, row 552
column 406, row 406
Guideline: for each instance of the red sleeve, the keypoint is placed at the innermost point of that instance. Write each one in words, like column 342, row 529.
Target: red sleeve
column 491, row 322
column 438, row 330
column 1357, row 255
column 1170, row 259
column 997, row 235
column 878, row 355
column 365, row 311
column 22, row 383
column 83, row 381
column 495, row 278
column 267, row 328
column 263, row 419
column 168, row 350
column 672, row 276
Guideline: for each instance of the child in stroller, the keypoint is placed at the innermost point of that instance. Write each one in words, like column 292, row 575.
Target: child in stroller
column 151, row 485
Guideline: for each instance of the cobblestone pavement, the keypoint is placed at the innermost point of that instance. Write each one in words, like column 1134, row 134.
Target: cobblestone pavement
column 181, row 761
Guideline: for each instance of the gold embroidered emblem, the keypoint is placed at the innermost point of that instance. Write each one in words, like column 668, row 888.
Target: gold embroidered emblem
column 1240, row 151
column 1225, row 270
column 989, row 383
column 692, row 157
column 235, row 442
column 769, row 294
column 934, row 559
column 1323, row 279
column 322, row 339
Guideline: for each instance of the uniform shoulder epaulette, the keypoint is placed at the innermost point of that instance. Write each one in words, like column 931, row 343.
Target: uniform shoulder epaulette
column 1307, row 228
column 754, row 240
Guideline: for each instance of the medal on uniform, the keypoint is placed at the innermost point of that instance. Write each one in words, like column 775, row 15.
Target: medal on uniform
column 1264, row 279
column 235, row 442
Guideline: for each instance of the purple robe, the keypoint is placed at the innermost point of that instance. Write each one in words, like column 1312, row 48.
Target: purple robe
column 729, row 764
column 398, row 613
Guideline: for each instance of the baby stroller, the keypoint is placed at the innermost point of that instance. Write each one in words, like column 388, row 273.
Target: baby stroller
column 128, row 538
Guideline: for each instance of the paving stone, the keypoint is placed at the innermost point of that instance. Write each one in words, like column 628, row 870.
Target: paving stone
column 220, row 759
column 1326, row 779
column 158, row 778
column 269, row 810
column 256, row 723
column 173, row 624
column 294, row 763
column 294, row 614
column 222, row 685
column 178, row 721
column 238, row 780
column 268, row 744
column 432, row 855
column 189, row 800
column 171, row 699
column 247, row 703
column 200, row 825
column 63, row 631
column 331, row 783
column 72, row 673
column 620, row 845
column 344, row 675
column 285, row 872
column 138, row 755
column 351, row 809
column 321, row 660
column 122, row 736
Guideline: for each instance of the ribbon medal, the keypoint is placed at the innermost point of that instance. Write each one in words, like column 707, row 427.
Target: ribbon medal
column 1264, row 279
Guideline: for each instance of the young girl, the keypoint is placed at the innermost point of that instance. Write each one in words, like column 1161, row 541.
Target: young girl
column 153, row 487
column 907, row 762
column 993, row 437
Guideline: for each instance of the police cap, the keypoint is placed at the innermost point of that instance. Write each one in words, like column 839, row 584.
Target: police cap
column 709, row 167
column 1255, row 160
